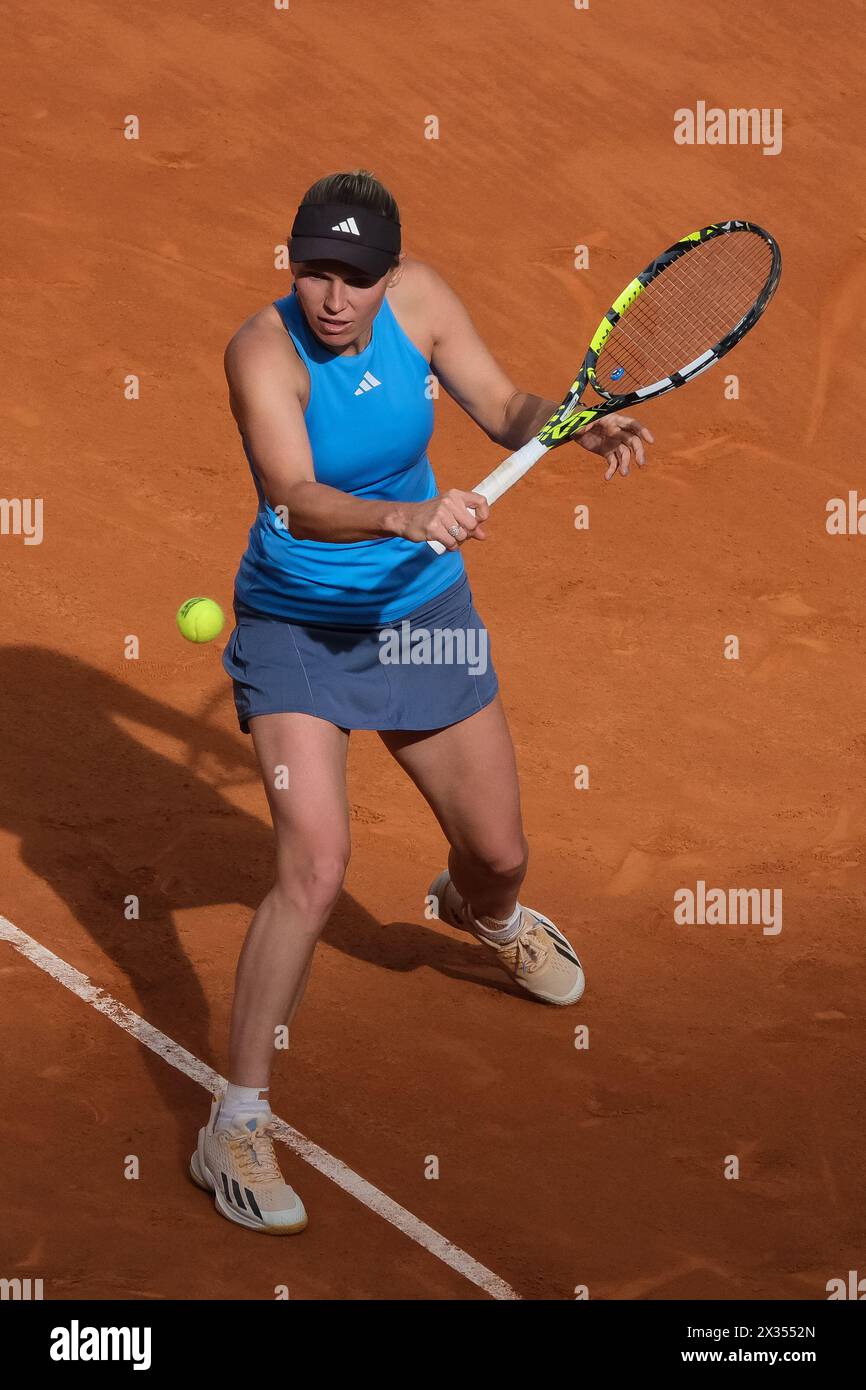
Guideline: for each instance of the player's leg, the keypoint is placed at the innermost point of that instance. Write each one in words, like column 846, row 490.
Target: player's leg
column 468, row 775
column 303, row 766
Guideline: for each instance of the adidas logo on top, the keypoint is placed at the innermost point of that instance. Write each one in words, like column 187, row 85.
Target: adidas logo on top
column 368, row 381
column 350, row 226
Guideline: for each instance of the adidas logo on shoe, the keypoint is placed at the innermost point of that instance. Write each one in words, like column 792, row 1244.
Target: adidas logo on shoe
column 368, row 381
column 350, row 226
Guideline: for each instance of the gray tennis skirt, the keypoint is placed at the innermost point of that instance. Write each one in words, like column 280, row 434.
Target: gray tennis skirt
column 424, row 671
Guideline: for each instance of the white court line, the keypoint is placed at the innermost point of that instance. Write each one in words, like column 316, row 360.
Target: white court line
column 199, row 1071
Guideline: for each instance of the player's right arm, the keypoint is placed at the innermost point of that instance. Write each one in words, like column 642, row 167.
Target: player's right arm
column 265, row 384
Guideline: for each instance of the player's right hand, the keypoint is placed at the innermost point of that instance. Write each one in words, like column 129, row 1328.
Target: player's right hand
column 432, row 520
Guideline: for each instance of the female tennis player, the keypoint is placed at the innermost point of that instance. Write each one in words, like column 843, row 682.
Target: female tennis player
column 330, row 388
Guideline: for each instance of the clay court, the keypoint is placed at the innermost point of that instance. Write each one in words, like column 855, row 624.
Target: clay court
column 561, row 1167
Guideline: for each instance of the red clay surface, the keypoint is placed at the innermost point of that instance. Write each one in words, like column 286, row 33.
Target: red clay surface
column 559, row 1167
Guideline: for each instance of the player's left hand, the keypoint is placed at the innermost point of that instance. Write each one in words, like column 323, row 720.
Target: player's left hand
column 619, row 439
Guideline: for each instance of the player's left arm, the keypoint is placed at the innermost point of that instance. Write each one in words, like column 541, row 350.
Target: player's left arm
column 471, row 375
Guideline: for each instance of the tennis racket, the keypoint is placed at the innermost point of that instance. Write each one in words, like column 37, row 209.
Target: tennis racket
column 690, row 306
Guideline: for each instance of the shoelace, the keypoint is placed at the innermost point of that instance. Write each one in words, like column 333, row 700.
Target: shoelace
column 527, row 951
column 253, row 1152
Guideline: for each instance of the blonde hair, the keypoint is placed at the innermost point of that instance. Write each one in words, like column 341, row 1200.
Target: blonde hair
column 357, row 186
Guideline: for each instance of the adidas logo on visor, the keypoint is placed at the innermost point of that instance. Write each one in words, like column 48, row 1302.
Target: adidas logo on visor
column 350, row 226
column 368, row 381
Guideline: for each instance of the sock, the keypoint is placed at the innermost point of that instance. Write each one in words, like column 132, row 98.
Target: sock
column 242, row 1103
column 498, row 930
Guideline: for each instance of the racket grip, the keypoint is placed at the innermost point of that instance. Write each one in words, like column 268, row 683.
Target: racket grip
column 437, row 545
column 504, row 476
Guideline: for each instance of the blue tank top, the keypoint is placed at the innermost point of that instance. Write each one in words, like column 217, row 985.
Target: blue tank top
column 369, row 420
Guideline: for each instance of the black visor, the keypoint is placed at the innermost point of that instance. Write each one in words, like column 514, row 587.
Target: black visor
column 343, row 232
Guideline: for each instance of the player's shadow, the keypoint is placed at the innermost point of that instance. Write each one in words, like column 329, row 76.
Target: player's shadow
column 101, row 816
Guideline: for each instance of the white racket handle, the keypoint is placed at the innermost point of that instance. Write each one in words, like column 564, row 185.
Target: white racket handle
column 504, row 476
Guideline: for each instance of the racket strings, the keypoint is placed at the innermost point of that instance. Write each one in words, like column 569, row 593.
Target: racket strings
column 687, row 310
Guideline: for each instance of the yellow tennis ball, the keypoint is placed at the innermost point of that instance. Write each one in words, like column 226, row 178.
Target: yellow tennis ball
column 200, row 619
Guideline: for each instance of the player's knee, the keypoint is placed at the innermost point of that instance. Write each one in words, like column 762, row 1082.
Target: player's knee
column 320, row 879
column 312, row 880
column 506, row 860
